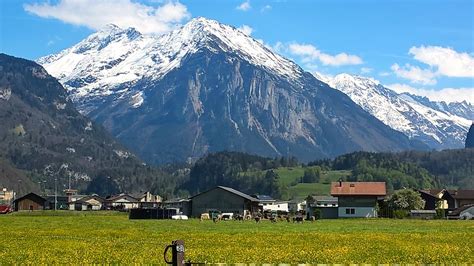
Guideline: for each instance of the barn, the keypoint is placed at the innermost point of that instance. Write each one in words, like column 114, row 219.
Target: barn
column 224, row 199
column 30, row 202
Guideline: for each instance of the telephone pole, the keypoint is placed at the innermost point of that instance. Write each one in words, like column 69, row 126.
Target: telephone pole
column 55, row 193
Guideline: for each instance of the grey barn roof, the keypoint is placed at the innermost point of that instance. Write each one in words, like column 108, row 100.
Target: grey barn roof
column 231, row 190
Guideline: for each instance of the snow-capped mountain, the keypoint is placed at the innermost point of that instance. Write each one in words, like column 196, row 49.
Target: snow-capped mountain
column 435, row 123
column 102, row 63
column 209, row 87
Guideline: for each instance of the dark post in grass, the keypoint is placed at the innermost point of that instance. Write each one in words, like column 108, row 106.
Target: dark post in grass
column 177, row 253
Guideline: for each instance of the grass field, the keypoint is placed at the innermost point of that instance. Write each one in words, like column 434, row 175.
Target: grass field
column 78, row 238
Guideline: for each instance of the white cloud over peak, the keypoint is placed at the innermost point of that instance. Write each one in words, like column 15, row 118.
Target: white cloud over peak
column 415, row 74
column 441, row 61
column 245, row 6
column 310, row 53
column 447, row 94
column 95, row 14
column 447, row 61
column 246, row 29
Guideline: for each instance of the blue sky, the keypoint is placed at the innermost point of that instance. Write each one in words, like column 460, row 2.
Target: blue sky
column 424, row 46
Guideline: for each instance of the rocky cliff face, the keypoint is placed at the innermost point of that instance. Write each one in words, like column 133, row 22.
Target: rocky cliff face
column 221, row 90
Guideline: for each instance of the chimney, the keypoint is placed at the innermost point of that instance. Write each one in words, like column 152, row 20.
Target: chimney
column 340, row 182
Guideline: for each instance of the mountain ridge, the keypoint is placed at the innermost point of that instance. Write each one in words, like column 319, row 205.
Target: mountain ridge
column 415, row 116
column 215, row 89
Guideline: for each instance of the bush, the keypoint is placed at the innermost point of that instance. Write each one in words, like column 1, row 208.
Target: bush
column 400, row 214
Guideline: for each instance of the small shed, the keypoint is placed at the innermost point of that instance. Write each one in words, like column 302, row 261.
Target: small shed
column 423, row 214
column 30, row 202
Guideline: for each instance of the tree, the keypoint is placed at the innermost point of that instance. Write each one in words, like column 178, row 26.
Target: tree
column 470, row 137
column 103, row 185
column 312, row 175
column 406, row 199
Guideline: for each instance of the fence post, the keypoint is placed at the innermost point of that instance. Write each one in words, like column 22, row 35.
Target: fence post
column 177, row 251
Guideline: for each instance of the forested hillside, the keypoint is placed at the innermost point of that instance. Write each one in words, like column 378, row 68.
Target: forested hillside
column 287, row 178
column 448, row 168
column 43, row 138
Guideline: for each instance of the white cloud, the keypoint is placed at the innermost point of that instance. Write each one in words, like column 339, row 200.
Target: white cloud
column 310, row 53
column 245, row 6
column 384, row 74
column 246, row 29
column 447, row 61
column 95, row 14
column 415, row 74
column 266, row 8
column 446, row 94
column 442, row 61
column 366, row 70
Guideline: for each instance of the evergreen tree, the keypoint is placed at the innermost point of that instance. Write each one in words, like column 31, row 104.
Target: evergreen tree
column 470, row 137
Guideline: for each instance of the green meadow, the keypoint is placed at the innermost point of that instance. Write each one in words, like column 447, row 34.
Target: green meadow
column 108, row 237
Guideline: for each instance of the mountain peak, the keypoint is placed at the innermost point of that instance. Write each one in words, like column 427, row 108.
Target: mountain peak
column 110, row 28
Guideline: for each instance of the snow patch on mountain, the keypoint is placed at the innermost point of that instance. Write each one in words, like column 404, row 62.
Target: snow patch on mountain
column 403, row 112
column 137, row 99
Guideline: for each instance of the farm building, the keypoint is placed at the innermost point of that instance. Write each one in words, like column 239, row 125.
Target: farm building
column 62, row 202
column 465, row 212
column 432, row 201
column 30, row 202
column 121, row 202
column 463, row 197
column 267, row 203
column 358, row 199
column 322, row 207
column 180, row 205
column 147, row 197
column 448, row 199
column 296, row 206
column 87, row 203
column 224, row 199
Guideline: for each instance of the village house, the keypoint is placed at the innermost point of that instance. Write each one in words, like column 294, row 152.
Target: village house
column 29, row 202
column 87, row 203
column 322, row 207
column 446, row 199
column 147, row 197
column 267, row 203
column 6, row 196
column 224, row 199
column 121, row 202
column 358, row 199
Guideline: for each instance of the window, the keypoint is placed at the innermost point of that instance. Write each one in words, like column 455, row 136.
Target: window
column 350, row 211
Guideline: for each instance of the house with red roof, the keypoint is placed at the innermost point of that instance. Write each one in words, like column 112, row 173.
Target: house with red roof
column 358, row 199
